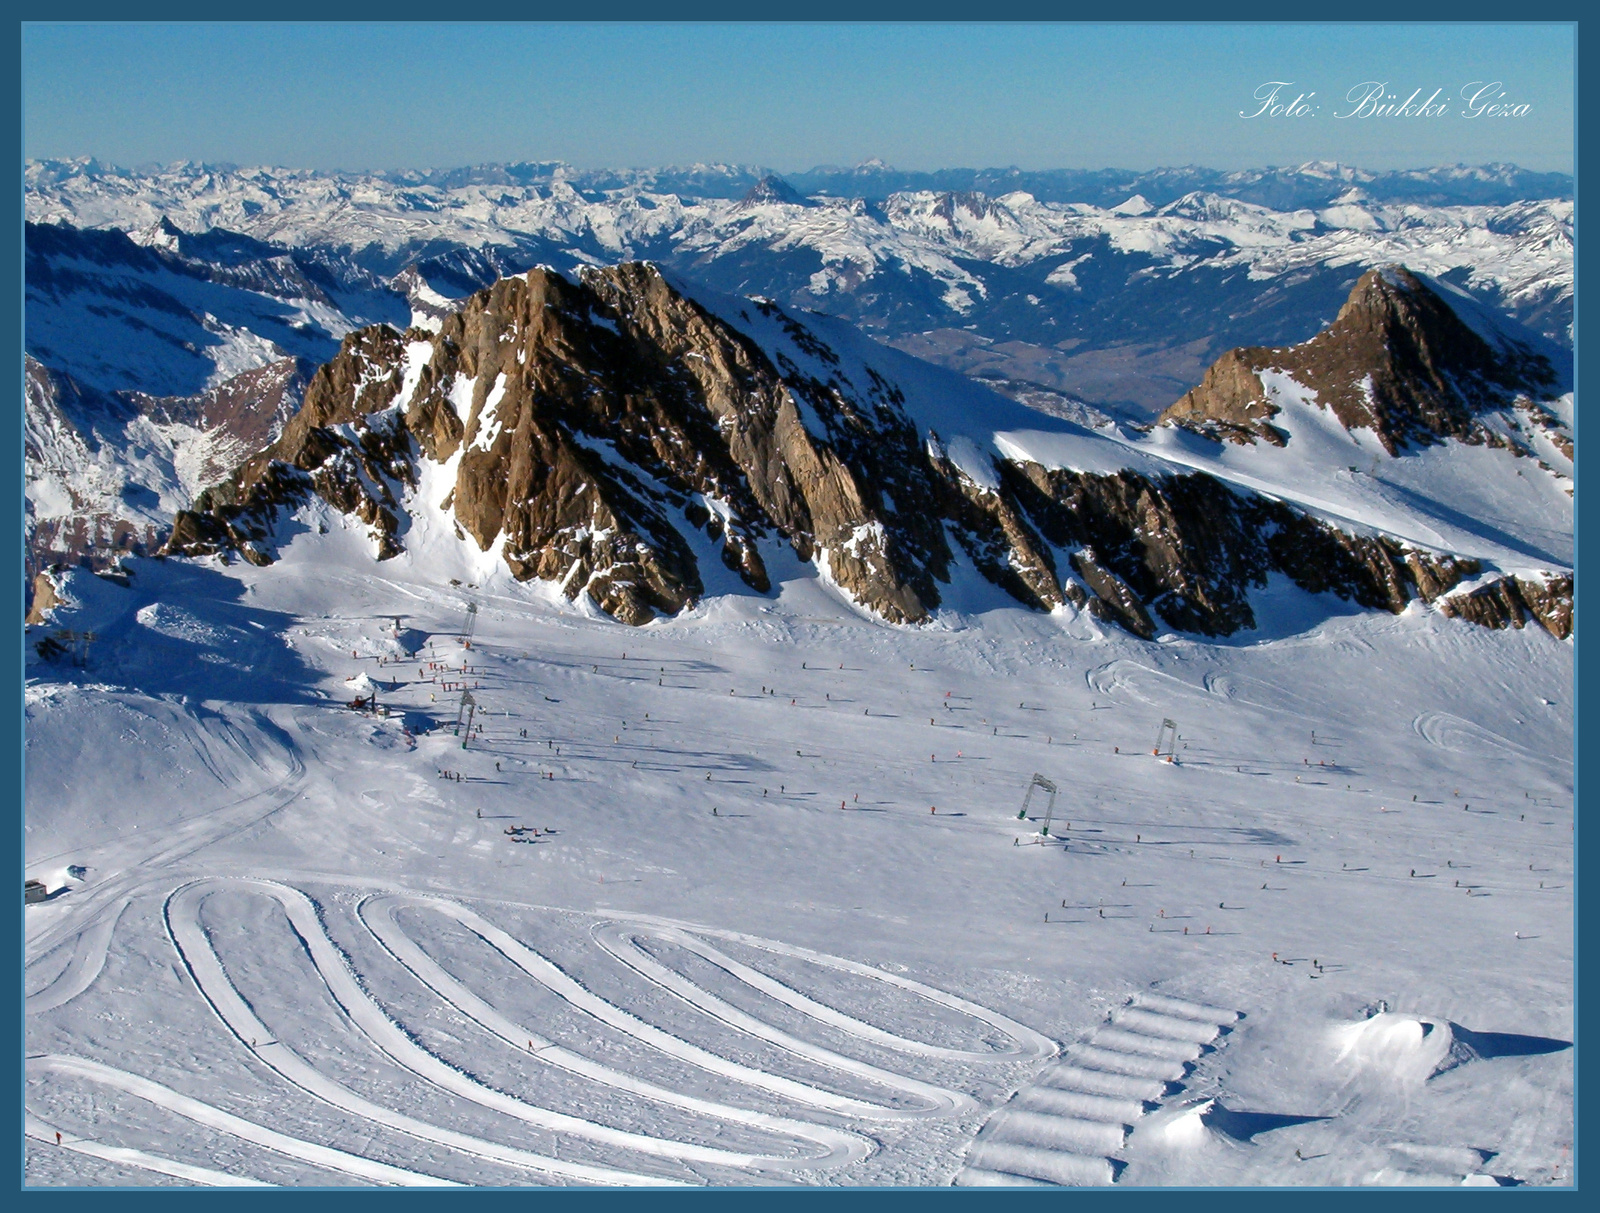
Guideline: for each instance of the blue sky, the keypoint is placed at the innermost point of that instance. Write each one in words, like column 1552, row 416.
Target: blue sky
column 372, row 96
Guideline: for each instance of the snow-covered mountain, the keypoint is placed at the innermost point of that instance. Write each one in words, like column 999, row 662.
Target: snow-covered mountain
column 191, row 280
column 1012, row 265
column 623, row 436
column 107, row 473
column 153, row 369
column 704, row 927
column 1313, row 184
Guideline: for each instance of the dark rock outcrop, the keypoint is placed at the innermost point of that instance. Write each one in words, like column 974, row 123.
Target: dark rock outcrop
column 774, row 189
column 1190, row 548
column 1510, row 602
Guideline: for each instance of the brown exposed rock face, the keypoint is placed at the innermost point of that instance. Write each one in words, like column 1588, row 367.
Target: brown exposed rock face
column 600, row 415
column 44, row 599
column 595, row 426
column 1512, row 601
column 1396, row 360
column 1230, row 402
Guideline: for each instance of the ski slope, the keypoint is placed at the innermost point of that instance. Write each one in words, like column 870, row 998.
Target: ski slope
column 742, row 897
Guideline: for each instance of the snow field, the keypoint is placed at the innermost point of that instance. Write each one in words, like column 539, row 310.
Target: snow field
column 788, row 991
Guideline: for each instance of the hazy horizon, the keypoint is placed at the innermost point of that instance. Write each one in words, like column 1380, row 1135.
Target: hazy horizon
column 758, row 167
column 396, row 96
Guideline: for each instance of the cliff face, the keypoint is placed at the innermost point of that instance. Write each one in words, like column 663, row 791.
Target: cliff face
column 1511, row 602
column 592, row 427
column 587, row 422
column 1397, row 360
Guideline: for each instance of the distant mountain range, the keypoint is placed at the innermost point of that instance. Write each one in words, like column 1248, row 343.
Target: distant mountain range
column 1312, row 185
column 1121, row 301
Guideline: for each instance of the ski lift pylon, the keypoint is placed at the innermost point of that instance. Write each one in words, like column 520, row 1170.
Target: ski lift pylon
column 1166, row 740
column 1039, row 781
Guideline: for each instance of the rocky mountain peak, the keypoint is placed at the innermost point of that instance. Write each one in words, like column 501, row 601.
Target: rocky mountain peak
column 773, row 188
column 163, row 234
column 593, row 427
column 1398, row 359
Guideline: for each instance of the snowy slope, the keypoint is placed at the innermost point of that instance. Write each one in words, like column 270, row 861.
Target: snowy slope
column 105, row 474
column 304, row 945
column 712, row 929
column 118, row 316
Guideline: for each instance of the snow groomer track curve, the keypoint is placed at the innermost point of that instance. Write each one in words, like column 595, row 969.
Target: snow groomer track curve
column 618, row 936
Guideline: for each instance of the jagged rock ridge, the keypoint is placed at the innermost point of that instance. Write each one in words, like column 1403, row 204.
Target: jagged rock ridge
column 591, row 427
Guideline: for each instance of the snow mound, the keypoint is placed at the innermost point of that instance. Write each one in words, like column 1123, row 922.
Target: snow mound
column 1179, row 1126
column 1408, row 1048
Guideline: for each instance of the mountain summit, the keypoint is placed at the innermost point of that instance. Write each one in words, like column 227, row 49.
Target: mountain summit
column 774, row 189
column 1398, row 360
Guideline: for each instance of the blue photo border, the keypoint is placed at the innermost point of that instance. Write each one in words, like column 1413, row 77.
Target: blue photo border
column 1353, row 11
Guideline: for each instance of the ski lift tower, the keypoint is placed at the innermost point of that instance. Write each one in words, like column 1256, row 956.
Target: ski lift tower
column 1166, row 741
column 1040, row 782
column 469, row 706
column 471, row 622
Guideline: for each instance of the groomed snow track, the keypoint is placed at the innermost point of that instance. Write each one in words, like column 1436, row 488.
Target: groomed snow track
column 803, row 1145
column 1069, row 1128
column 326, row 1157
